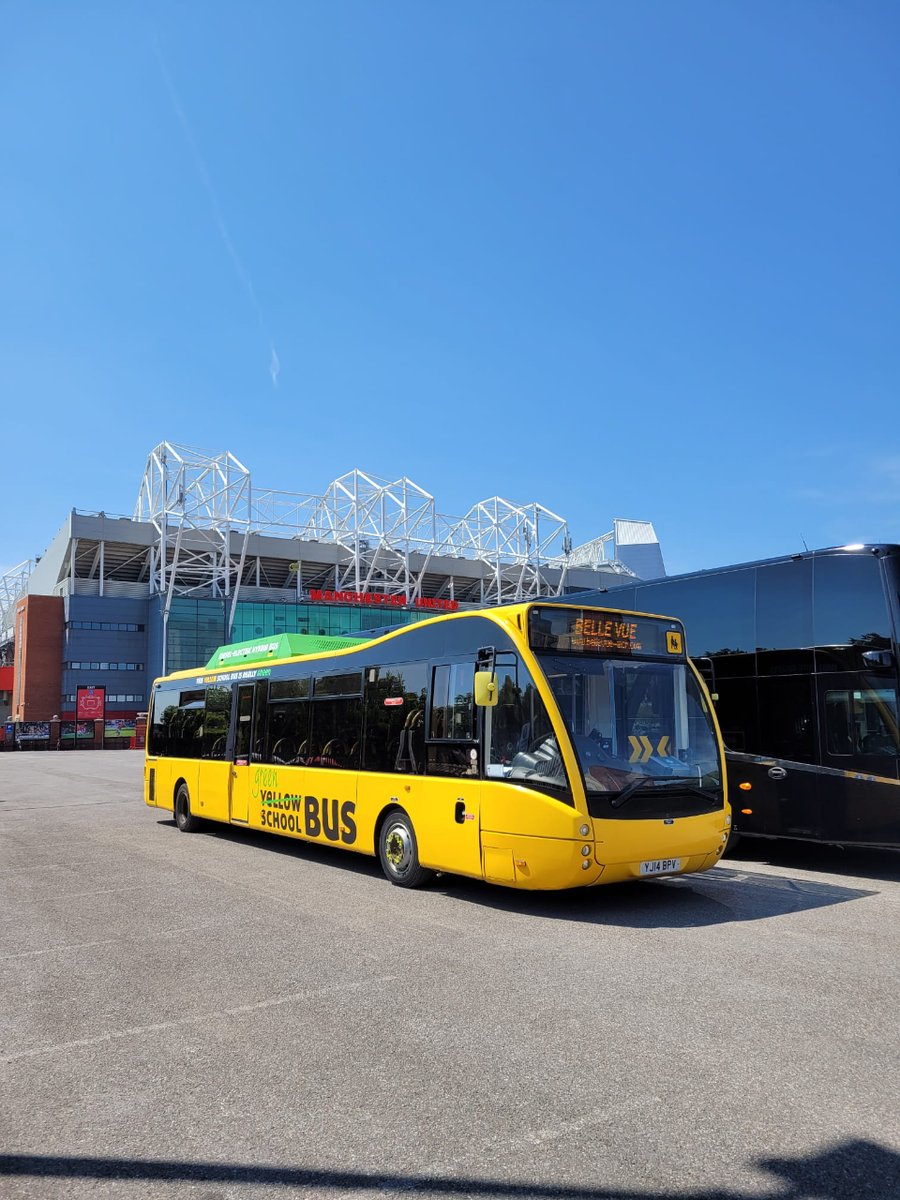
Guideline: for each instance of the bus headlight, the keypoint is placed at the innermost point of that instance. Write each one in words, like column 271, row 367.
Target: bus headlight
column 585, row 866
column 585, row 850
column 584, row 830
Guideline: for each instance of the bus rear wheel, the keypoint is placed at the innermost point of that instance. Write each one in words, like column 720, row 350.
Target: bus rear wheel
column 184, row 818
column 398, row 851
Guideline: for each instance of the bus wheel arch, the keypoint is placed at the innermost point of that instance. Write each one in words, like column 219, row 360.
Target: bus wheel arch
column 184, row 818
column 398, row 849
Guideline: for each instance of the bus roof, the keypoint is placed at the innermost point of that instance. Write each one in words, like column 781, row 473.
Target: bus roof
column 878, row 549
column 285, row 646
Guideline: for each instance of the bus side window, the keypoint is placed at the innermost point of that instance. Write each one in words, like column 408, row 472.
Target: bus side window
column 244, row 720
column 520, row 739
column 451, row 748
column 216, row 717
column 184, row 724
column 288, row 732
column 165, row 706
column 260, row 708
column 394, row 738
column 509, row 727
column 334, row 735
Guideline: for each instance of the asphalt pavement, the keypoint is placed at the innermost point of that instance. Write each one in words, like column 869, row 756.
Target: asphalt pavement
column 228, row 1014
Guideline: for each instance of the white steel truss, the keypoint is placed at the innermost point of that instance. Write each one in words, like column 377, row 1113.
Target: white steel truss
column 13, row 585
column 516, row 543
column 386, row 534
column 199, row 503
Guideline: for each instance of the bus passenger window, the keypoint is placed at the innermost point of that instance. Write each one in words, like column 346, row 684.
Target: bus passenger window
column 288, row 729
column 450, row 749
column 453, row 702
column 182, row 720
column 520, row 739
column 395, row 718
column 242, row 729
column 215, row 721
column 335, row 730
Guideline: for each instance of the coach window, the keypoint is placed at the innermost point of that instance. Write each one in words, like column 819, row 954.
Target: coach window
column 838, row 722
column 784, row 618
column 718, row 612
column 518, row 729
column 787, row 717
column 862, row 720
column 850, row 611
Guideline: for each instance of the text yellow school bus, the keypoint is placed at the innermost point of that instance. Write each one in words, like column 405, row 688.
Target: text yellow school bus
column 537, row 746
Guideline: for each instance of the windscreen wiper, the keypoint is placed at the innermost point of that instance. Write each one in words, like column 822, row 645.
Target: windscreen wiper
column 682, row 783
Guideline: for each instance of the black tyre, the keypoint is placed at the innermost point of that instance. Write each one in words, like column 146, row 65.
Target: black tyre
column 398, row 851
column 184, row 818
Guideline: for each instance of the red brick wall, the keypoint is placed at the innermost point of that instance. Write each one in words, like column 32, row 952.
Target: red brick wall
column 38, row 658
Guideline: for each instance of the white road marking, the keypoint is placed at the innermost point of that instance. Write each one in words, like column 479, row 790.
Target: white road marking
column 197, row 1019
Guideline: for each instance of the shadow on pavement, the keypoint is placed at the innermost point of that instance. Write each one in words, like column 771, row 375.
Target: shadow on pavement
column 723, row 894
column 850, row 1171
column 713, row 898
column 811, row 856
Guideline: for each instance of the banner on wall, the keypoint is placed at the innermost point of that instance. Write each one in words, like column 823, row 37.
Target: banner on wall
column 122, row 727
column 72, row 730
column 32, row 731
column 90, row 703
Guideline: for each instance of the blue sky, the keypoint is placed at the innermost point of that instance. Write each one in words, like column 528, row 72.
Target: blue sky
column 636, row 259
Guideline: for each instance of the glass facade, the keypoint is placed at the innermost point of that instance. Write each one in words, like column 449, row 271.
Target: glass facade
column 198, row 627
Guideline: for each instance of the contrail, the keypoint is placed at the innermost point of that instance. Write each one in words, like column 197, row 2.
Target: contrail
column 218, row 217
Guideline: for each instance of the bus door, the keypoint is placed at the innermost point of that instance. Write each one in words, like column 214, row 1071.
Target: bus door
column 447, row 816
column 860, row 747
column 787, row 794
column 211, row 798
column 242, row 753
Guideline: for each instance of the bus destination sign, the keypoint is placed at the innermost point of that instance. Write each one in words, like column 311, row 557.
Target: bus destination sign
column 583, row 631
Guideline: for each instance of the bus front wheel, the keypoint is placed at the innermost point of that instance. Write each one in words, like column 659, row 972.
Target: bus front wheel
column 184, row 818
column 399, row 851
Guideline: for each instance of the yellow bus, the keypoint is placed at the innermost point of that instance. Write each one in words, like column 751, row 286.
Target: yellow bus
column 536, row 746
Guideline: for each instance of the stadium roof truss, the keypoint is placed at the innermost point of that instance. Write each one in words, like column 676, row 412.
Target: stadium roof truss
column 386, row 534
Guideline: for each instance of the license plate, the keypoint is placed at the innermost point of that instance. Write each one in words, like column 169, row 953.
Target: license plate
column 660, row 866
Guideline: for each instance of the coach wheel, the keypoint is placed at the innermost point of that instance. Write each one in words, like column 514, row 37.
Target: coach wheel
column 399, row 853
column 184, row 818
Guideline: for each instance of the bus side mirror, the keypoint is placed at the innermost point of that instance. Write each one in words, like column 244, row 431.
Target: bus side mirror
column 486, row 689
column 878, row 658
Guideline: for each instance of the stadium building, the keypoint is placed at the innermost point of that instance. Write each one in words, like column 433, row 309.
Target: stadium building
column 209, row 558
